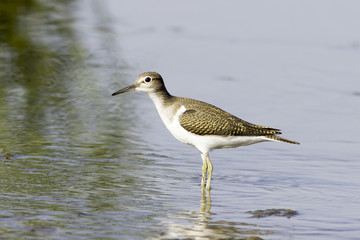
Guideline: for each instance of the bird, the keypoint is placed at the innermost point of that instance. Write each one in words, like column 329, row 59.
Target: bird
column 201, row 124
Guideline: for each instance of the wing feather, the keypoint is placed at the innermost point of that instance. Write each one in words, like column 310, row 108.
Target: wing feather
column 218, row 122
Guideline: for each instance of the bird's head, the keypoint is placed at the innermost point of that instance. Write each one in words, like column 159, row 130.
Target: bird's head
column 148, row 82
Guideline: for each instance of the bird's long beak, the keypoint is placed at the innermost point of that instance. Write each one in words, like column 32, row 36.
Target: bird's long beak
column 126, row 89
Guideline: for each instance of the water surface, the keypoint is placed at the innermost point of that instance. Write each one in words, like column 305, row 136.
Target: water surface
column 77, row 163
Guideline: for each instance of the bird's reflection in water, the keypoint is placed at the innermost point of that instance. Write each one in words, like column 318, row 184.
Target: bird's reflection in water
column 202, row 225
column 205, row 201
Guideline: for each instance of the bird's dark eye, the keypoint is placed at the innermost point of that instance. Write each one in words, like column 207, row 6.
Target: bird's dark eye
column 148, row 79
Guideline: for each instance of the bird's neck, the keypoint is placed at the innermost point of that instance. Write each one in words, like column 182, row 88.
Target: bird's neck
column 164, row 104
column 161, row 97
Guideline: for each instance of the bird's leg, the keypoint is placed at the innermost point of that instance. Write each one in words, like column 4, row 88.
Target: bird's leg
column 204, row 170
column 210, row 170
column 205, row 201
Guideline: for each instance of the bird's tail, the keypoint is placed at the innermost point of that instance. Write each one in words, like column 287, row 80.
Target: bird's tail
column 280, row 139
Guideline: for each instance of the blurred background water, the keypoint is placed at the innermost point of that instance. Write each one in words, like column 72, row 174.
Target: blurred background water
column 76, row 163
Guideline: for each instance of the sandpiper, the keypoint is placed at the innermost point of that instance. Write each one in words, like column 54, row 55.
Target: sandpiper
column 200, row 124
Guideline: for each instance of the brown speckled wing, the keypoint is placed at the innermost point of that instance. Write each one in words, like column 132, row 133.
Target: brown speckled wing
column 218, row 122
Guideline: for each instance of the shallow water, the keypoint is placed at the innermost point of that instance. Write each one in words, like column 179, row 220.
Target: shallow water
column 77, row 163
